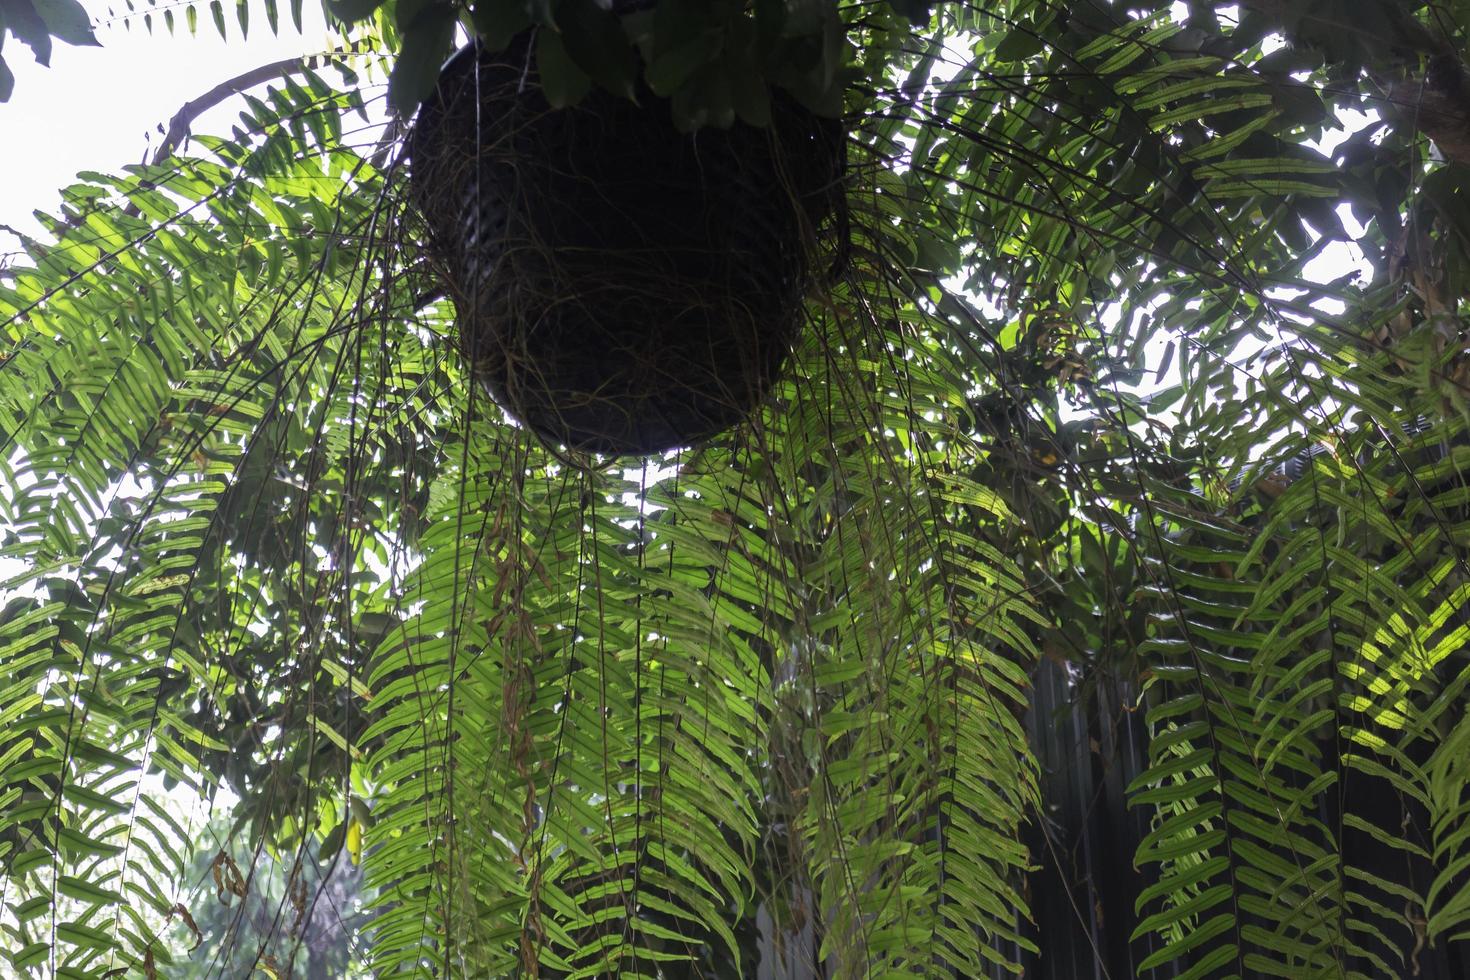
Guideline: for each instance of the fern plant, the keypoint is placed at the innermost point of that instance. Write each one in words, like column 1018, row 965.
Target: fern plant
column 298, row 617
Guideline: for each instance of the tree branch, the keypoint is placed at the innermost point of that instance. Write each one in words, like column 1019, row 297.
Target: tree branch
column 179, row 125
column 1438, row 105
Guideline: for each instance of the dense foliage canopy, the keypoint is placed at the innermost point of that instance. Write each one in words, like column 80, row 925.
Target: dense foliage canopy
column 1085, row 497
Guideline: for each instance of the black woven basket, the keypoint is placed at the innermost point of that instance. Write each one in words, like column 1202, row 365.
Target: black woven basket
column 621, row 287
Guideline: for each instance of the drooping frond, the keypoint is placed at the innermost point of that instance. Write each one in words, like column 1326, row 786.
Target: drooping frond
column 303, row 637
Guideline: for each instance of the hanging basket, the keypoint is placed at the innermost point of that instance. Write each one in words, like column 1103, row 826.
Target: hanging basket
column 621, row 287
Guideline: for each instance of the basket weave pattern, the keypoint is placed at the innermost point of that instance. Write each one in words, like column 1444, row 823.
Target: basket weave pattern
column 621, row 287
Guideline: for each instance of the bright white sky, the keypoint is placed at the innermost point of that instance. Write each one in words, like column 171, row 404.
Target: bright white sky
column 101, row 108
